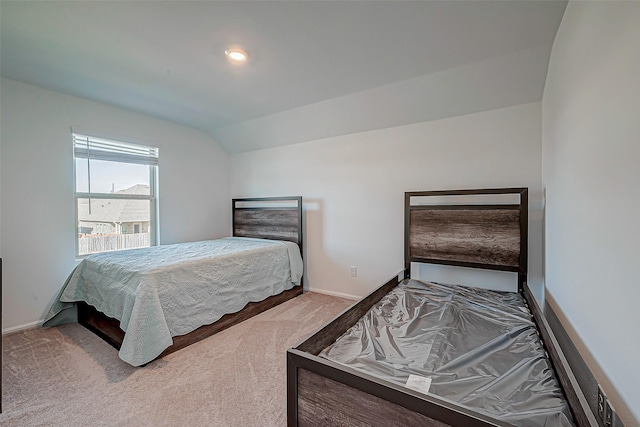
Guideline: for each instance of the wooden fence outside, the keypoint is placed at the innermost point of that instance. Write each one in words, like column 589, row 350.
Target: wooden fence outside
column 90, row 244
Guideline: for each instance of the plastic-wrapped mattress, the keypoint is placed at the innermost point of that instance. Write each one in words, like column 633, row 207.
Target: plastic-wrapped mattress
column 476, row 347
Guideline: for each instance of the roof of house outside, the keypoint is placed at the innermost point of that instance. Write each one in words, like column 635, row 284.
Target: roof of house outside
column 116, row 210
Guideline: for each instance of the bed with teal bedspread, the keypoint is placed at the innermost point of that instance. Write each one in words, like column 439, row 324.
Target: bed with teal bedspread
column 165, row 291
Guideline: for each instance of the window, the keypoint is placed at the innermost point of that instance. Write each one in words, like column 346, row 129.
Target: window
column 115, row 195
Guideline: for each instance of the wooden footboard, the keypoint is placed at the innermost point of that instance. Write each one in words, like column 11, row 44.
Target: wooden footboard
column 321, row 392
column 330, row 395
column 109, row 328
column 574, row 395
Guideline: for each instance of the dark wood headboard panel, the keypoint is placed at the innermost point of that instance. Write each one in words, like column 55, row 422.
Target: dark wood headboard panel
column 274, row 218
column 489, row 236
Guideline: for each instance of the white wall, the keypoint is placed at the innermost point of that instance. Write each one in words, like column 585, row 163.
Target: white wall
column 591, row 172
column 37, row 193
column 353, row 186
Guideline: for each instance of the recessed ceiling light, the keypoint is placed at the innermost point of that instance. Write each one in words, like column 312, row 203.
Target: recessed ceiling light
column 236, row 55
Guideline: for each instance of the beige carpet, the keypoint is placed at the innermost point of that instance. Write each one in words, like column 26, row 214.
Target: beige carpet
column 66, row 376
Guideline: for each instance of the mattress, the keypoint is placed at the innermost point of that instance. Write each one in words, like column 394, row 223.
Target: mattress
column 475, row 347
column 164, row 291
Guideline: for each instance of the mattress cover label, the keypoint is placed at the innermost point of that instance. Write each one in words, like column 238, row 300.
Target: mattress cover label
column 418, row 383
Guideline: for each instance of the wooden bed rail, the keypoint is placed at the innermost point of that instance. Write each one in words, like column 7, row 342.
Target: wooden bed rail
column 577, row 401
column 334, row 328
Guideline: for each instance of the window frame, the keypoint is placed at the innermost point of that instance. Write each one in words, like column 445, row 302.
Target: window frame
column 152, row 197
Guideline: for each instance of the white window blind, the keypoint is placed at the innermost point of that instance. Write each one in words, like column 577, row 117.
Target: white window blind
column 89, row 147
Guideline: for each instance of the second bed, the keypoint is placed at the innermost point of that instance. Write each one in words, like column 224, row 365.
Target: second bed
column 428, row 354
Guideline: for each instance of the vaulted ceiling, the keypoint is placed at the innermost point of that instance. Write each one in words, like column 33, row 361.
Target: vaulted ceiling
column 316, row 68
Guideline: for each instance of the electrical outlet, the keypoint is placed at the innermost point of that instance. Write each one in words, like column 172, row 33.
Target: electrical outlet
column 602, row 405
column 605, row 410
column 354, row 271
column 608, row 413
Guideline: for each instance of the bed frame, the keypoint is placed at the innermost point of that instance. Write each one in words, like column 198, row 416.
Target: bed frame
column 488, row 236
column 272, row 218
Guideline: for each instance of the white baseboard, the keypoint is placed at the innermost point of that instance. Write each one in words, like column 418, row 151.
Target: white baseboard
column 334, row 294
column 19, row 328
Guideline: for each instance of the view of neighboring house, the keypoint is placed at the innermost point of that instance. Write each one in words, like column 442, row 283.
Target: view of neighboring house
column 114, row 224
column 115, row 216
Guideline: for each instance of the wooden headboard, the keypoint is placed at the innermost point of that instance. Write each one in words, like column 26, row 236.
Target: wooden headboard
column 274, row 218
column 481, row 235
